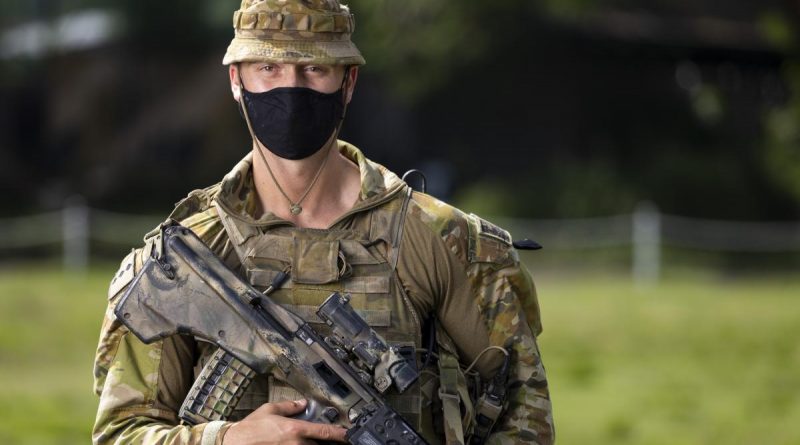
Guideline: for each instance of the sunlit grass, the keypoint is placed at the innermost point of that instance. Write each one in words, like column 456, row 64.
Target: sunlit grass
column 49, row 325
column 695, row 360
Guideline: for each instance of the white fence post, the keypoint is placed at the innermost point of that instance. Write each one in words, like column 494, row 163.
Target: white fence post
column 75, row 232
column 646, row 266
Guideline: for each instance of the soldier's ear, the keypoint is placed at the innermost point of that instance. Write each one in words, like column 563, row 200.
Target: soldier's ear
column 352, row 73
column 236, row 87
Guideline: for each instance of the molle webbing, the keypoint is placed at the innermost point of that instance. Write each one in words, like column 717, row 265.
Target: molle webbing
column 374, row 318
column 385, row 225
column 451, row 399
column 363, row 285
column 358, row 257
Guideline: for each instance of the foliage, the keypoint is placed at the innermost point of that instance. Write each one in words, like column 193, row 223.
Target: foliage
column 419, row 44
column 576, row 189
column 575, row 112
column 695, row 360
column 782, row 125
column 486, row 198
column 782, row 151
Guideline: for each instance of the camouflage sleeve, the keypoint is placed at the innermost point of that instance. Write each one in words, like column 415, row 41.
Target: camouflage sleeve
column 464, row 269
column 141, row 387
column 508, row 303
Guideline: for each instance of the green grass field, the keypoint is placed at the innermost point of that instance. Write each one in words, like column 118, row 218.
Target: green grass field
column 696, row 360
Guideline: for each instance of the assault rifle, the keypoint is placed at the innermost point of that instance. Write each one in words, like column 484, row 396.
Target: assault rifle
column 184, row 288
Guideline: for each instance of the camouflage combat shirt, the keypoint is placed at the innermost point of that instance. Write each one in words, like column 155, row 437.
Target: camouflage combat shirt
column 452, row 265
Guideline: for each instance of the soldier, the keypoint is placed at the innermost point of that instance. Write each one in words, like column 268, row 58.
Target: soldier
column 305, row 202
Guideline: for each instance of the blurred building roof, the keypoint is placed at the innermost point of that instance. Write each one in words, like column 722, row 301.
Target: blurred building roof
column 78, row 30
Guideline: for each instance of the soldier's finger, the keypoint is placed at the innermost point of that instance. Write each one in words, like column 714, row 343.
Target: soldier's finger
column 324, row 432
column 286, row 408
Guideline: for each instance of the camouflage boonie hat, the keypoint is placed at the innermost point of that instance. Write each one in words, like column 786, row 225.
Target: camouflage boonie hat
column 293, row 31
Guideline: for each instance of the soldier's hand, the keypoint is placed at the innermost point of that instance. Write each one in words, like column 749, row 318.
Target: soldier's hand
column 270, row 424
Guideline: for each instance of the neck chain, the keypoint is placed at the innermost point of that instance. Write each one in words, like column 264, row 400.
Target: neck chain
column 294, row 207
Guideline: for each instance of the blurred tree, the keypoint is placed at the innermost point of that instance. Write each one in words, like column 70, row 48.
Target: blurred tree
column 782, row 144
column 419, row 44
column 782, row 151
column 570, row 107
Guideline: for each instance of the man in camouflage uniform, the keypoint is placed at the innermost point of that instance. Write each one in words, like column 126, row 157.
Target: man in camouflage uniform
column 337, row 222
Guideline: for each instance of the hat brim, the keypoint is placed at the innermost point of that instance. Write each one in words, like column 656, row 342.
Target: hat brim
column 293, row 51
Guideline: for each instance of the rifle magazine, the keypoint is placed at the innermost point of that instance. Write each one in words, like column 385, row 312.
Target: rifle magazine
column 217, row 390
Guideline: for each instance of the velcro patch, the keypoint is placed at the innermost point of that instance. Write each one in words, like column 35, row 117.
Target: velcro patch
column 492, row 231
column 488, row 243
column 123, row 276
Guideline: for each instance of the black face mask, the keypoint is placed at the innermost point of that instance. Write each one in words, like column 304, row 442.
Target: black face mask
column 293, row 122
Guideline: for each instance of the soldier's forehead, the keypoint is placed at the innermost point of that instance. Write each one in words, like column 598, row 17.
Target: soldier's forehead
column 270, row 62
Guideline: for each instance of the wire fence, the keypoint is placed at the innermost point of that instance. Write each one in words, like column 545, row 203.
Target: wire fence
column 646, row 232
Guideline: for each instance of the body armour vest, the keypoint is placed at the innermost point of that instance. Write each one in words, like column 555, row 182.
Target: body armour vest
column 358, row 258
